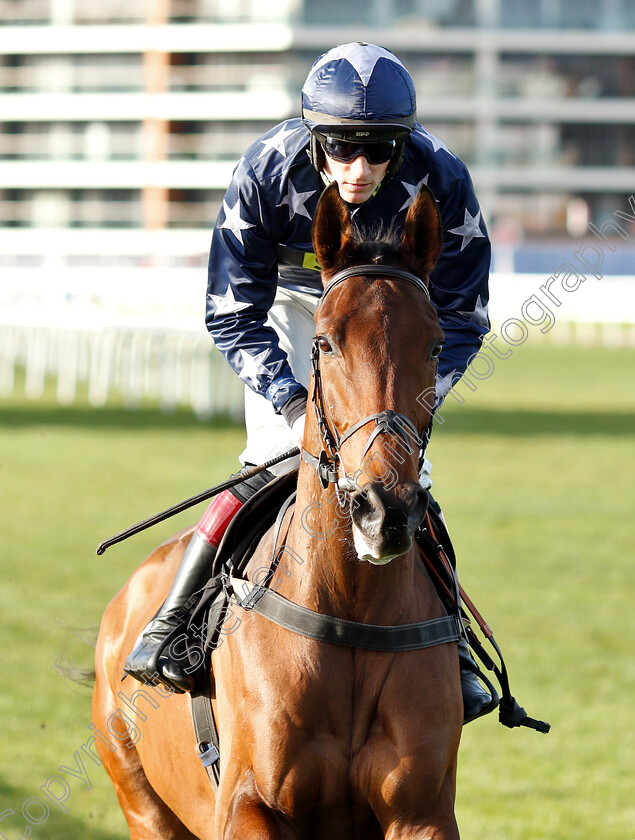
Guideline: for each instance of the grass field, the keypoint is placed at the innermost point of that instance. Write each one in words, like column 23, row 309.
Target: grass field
column 534, row 472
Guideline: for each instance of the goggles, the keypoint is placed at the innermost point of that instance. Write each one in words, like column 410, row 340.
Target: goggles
column 345, row 151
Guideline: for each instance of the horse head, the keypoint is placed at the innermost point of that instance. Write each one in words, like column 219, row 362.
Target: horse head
column 374, row 356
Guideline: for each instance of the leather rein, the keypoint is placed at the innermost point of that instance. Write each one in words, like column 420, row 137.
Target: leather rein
column 328, row 462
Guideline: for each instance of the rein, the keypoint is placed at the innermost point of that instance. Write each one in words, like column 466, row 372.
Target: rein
column 386, row 422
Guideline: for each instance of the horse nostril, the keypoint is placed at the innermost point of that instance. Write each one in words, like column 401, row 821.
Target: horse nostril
column 366, row 507
column 419, row 507
column 423, row 498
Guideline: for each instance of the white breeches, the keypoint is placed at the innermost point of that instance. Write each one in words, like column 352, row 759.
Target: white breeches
column 292, row 317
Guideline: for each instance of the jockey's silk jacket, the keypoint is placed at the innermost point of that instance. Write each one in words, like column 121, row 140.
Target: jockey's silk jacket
column 262, row 239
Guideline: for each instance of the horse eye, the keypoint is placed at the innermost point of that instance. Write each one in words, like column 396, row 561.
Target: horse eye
column 436, row 350
column 324, row 345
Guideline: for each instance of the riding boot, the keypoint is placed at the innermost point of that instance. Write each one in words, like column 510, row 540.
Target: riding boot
column 152, row 658
column 476, row 700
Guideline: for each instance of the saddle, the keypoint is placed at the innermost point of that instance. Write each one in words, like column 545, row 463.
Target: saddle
column 212, row 615
column 237, row 546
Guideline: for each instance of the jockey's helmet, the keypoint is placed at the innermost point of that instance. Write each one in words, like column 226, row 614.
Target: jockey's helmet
column 359, row 93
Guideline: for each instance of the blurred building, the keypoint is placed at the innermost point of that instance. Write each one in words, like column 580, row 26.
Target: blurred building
column 132, row 113
column 121, row 121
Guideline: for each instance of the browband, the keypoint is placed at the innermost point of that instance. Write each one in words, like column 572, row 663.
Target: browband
column 377, row 271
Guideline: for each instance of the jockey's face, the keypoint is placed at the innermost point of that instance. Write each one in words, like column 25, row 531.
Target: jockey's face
column 358, row 179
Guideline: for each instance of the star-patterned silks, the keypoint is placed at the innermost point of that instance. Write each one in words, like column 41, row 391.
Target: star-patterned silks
column 470, row 229
column 479, row 315
column 295, row 201
column 233, row 221
column 277, row 141
column 238, row 258
column 444, row 384
column 413, row 191
column 251, row 367
column 227, row 304
column 364, row 62
column 436, row 143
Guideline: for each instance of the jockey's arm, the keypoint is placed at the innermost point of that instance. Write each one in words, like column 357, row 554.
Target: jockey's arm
column 242, row 281
column 459, row 285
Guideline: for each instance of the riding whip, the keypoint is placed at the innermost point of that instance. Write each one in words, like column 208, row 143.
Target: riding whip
column 246, row 472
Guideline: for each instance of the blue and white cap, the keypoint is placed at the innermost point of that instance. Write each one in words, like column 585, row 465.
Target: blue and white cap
column 359, row 92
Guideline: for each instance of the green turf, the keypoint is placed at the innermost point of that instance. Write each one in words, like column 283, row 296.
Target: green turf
column 534, row 472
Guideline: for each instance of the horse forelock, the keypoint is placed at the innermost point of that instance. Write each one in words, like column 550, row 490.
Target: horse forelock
column 377, row 243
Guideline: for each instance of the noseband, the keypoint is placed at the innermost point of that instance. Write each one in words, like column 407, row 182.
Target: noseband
column 386, row 422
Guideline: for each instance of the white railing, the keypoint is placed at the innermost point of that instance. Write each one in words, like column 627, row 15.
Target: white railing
column 129, row 331
column 139, row 332
column 171, row 368
column 597, row 312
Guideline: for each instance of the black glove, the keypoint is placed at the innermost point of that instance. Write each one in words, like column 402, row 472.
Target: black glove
column 295, row 406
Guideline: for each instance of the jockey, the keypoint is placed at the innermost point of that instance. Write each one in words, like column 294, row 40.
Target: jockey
column 358, row 128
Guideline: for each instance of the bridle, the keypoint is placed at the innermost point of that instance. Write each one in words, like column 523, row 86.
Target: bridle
column 374, row 270
column 327, row 464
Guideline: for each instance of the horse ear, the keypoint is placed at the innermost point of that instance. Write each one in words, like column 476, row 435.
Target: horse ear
column 423, row 234
column 332, row 228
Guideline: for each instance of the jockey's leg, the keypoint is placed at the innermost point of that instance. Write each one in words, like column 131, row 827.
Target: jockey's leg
column 476, row 700
column 268, row 435
column 292, row 319
column 150, row 655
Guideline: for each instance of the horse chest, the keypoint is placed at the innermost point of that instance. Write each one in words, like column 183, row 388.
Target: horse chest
column 331, row 771
column 314, row 781
column 330, row 726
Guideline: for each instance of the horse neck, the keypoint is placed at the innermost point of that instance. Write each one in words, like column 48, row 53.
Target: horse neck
column 327, row 576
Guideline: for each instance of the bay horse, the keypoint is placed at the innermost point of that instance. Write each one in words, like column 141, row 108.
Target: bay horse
column 317, row 740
